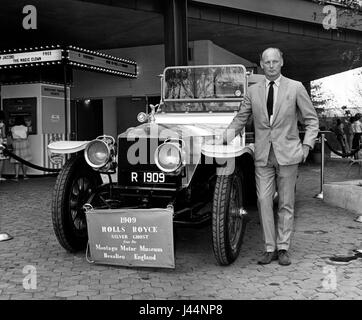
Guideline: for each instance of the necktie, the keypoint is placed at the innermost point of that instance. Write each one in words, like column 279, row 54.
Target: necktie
column 270, row 100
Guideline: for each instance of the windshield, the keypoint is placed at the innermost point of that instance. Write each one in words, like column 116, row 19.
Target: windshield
column 203, row 88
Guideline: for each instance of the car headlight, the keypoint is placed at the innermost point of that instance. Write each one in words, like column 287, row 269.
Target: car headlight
column 169, row 156
column 97, row 153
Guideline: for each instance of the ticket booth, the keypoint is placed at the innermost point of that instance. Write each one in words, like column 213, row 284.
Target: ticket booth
column 42, row 106
column 35, row 84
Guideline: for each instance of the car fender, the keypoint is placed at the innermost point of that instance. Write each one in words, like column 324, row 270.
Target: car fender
column 66, row 147
column 226, row 151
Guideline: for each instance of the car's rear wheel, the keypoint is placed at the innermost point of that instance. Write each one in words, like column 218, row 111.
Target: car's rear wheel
column 228, row 218
column 74, row 185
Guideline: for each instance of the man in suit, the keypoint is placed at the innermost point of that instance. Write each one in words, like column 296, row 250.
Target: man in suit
column 276, row 104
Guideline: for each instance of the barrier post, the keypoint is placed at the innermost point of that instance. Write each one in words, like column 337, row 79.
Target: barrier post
column 3, row 235
column 320, row 194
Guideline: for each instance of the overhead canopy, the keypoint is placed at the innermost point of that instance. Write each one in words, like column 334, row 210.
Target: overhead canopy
column 311, row 51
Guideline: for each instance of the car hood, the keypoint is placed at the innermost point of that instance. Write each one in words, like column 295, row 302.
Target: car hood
column 197, row 133
column 181, row 126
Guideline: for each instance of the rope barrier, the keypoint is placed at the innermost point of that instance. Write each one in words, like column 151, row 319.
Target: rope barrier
column 27, row 163
column 32, row 165
column 344, row 155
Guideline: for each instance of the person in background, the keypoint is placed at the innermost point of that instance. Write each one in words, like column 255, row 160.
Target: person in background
column 352, row 120
column 2, row 142
column 357, row 131
column 21, row 146
column 348, row 135
column 339, row 131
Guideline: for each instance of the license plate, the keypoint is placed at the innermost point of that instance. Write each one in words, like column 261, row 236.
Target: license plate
column 148, row 177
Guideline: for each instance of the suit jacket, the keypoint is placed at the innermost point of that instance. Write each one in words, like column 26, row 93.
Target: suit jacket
column 292, row 103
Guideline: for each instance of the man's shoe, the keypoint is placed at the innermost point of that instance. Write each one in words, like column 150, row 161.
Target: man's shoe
column 283, row 257
column 268, row 257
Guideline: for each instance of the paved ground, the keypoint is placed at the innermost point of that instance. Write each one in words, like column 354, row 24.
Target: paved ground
column 25, row 214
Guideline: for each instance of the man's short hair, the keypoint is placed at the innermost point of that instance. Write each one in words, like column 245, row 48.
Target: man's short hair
column 277, row 49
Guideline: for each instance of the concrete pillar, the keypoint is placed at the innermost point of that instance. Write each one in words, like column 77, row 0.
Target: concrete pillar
column 175, row 32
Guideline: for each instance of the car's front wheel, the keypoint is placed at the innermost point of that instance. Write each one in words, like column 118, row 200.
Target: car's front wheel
column 74, row 185
column 228, row 218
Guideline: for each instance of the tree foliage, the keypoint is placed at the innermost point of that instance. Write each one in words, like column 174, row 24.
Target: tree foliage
column 320, row 98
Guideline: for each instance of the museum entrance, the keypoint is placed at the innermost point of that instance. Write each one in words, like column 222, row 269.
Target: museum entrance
column 86, row 119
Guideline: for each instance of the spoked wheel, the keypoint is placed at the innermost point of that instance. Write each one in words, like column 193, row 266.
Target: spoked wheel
column 74, row 185
column 79, row 193
column 228, row 219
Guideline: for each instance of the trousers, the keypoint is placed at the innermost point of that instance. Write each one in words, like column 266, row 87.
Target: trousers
column 268, row 179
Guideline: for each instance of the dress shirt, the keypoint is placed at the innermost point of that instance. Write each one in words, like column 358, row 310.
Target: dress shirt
column 275, row 88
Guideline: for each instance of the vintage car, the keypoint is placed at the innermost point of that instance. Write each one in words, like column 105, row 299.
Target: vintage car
column 173, row 159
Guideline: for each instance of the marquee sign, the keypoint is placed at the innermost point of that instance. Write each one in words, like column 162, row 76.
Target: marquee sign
column 74, row 56
column 43, row 56
column 102, row 62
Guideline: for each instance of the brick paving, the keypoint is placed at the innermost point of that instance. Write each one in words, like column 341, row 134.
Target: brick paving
column 25, row 214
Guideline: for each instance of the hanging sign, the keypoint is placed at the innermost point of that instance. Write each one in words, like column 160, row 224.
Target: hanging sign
column 131, row 237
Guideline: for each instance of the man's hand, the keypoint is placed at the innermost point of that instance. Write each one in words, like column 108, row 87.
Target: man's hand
column 306, row 149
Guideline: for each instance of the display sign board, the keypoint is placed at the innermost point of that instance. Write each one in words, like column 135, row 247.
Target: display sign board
column 104, row 64
column 53, row 115
column 53, row 110
column 52, row 91
column 30, row 57
column 132, row 237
